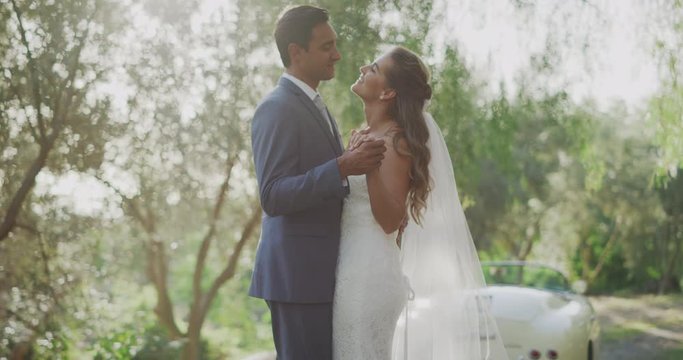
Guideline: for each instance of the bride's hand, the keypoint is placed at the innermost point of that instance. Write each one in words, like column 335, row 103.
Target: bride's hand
column 358, row 137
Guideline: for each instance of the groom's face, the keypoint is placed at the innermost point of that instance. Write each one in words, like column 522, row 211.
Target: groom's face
column 322, row 54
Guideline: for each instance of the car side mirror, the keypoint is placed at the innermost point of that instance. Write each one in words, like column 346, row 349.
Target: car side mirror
column 580, row 286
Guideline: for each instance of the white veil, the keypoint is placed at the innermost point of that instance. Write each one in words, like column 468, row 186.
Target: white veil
column 448, row 318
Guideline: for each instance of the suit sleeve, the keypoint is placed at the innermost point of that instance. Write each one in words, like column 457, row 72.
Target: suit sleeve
column 276, row 157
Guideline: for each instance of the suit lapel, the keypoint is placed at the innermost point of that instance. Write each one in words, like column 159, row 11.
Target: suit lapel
column 319, row 119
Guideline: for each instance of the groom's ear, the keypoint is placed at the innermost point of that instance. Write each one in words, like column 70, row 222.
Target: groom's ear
column 294, row 51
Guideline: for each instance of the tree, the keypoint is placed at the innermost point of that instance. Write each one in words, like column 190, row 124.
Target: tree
column 52, row 62
column 188, row 158
column 614, row 222
column 666, row 109
column 671, row 195
column 53, row 122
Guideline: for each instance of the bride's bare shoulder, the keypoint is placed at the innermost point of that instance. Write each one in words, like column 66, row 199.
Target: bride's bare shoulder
column 395, row 140
column 397, row 155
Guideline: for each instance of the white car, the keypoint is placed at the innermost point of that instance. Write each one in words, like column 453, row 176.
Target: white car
column 539, row 315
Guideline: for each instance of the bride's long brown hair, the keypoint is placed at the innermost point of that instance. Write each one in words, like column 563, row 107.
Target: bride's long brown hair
column 409, row 77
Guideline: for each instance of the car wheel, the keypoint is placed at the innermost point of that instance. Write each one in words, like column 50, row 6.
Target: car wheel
column 590, row 350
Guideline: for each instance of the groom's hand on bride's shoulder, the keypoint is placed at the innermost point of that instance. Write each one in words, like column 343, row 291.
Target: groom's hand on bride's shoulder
column 366, row 156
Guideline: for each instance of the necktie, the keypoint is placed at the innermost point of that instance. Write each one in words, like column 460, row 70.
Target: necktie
column 323, row 110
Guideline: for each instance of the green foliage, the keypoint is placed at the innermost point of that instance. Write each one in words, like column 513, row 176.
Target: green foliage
column 152, row 343
column 358, row 44
column 244, row 321
column 157, row 345
column 120, row 345
column 615, row 275
column 52, row 55
column 666, row 111
column 666, row 108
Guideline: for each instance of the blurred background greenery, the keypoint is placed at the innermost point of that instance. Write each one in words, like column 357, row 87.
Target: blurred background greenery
column 129, row 216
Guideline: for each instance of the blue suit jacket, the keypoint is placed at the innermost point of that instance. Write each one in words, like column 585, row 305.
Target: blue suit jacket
column 301, row 194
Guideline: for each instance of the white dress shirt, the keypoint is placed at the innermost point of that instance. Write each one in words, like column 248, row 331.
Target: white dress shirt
column 312, row 94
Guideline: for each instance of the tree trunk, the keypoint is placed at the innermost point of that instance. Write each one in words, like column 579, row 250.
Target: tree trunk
column 202, row 304
column 47, row 141
column 10, row 218
column 192, row 348
column 605, row 253
column 528, row 245
column 668, row 279
column 22, row 351
column 157, row 271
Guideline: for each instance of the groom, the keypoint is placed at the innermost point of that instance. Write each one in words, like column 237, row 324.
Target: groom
column 301, row 168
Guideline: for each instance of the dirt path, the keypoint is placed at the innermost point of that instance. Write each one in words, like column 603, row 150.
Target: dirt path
column 642, row 328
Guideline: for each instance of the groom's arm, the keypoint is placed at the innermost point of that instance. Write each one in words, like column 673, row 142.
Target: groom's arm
column 275, row 145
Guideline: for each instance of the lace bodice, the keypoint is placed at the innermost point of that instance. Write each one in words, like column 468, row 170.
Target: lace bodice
column 357, row 208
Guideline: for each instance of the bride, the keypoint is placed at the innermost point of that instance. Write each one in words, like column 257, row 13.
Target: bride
column 411, row 294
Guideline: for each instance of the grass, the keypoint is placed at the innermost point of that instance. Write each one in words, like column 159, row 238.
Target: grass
column 611, row 334
column 671, row 354
column 641, row 327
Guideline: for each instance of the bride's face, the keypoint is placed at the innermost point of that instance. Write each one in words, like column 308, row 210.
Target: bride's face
column 372, row 83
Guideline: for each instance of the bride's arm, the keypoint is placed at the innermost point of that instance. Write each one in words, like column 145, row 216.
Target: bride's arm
column 388, row 188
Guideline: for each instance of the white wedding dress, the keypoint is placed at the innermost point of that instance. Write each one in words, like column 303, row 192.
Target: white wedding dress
column 423, row 301
column 370, row 290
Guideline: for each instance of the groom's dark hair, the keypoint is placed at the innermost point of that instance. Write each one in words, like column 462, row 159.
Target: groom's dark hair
column 295, row 25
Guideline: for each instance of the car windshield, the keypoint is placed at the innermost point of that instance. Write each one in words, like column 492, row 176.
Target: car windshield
column 525, row 275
